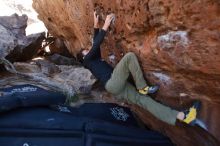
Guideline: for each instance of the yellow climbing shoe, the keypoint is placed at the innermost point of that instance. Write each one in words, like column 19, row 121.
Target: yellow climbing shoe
column 144, row 91
column 148, row 90
column 191, row 114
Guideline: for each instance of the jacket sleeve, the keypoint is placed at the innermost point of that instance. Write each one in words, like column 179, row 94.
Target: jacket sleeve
column 96, row 32
column 95, row 50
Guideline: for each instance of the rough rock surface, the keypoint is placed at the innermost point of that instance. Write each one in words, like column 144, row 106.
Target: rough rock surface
column 62, row 60
column 58, row 47
column 13, row 40
column 67, row 79
column 177, row 43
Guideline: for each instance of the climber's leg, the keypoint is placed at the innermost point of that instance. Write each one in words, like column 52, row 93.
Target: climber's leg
column 160, row 111
column 128, row 64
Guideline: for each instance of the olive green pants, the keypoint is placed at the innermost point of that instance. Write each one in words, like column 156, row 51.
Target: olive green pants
column 123, row 90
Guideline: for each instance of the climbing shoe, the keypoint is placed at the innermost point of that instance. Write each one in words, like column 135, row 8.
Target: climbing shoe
column 191, row 113
column 148, row 90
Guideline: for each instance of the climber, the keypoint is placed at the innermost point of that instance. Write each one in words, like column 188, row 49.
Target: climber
column 115, row 80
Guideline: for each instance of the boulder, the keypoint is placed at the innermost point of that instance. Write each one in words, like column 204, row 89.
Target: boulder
column 14, row 43
column 47, row 67
column 28, row 48
column 7, row 42
column 70, row 80
column 62, row 60
column 59, row 47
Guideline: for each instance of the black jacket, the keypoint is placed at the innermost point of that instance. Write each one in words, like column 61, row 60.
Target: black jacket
column 93, row 61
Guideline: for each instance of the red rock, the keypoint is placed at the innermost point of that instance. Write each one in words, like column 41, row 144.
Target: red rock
column 177, row 43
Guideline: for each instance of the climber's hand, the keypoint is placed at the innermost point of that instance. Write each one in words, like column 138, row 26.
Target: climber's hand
column 96, row 20
column 108, row 21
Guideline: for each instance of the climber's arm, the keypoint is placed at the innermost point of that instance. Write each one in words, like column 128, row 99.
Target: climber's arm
column 95, row 51
column 96, row 25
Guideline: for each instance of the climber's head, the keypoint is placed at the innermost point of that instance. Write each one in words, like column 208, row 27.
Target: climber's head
column 82, row 54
